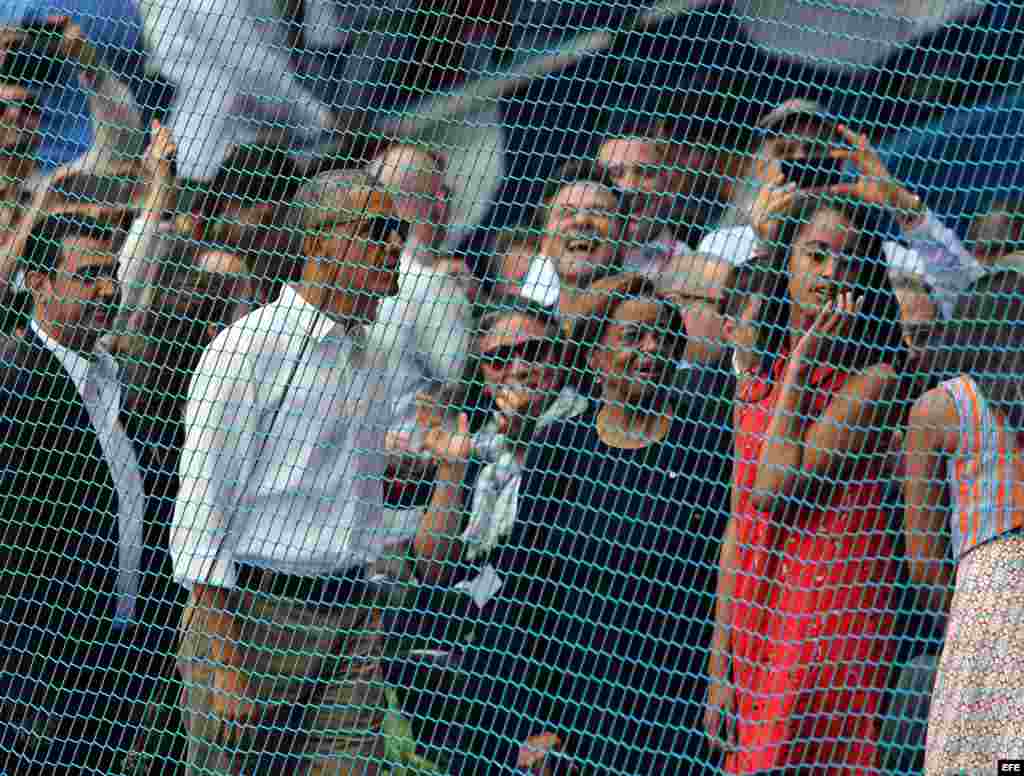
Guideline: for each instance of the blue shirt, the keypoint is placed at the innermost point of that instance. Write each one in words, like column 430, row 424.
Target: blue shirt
column 115, row 28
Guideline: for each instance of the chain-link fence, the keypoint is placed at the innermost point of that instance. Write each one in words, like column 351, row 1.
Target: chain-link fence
column 550, row 387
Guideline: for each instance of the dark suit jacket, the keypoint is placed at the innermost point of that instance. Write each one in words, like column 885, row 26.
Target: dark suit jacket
column 58, row 573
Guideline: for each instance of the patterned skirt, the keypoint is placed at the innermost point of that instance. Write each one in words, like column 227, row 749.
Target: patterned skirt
column 977, row 712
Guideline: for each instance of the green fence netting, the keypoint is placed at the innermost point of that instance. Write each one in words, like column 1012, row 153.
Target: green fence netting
column 546, row 387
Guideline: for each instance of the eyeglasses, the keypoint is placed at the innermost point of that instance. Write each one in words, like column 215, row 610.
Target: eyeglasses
column 531, row 351
column 375, row 228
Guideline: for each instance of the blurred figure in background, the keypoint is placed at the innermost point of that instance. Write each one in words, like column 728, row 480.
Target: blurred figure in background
column 639, row 159
column 998, row 232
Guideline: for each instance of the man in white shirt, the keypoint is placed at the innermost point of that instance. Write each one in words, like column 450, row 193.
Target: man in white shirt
column 72, row 516
column 279, row 511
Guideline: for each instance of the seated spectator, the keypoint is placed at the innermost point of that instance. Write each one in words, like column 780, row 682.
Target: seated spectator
column 638, row 158
column 803, row 639
column 695, row 283
column 597, row 640
column 964, row 515
column 792, row 132
column 997, row 233
column 583, row 219
column 512, row 254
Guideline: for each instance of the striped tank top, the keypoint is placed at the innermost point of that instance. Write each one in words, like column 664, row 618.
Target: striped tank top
column 986, row 475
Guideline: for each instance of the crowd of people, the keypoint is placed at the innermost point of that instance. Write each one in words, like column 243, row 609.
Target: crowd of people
column 688, row 475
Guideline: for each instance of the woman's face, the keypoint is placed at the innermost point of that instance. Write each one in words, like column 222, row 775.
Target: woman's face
column 636, row 357
column 519, row 362
column 821, row 264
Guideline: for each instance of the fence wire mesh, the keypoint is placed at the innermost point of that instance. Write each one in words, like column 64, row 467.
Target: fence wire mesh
column 545, row 387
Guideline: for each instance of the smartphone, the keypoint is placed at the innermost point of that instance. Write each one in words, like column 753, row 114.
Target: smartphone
column 813, row 172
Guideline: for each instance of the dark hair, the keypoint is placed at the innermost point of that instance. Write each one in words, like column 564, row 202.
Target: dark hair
column 469, row 394
column 597, row 312
column 579, row 171
column 743, row 281
column 252, row 174
column 624, row 124
column 877, row 333
column 45, row 242
column 35, row 60
column 985, row 340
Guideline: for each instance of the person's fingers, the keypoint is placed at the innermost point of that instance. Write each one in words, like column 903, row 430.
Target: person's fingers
column 464, row 423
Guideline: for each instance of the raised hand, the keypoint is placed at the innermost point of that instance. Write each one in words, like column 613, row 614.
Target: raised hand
column 447, row 446
column 773, row 198
column 829, row 327
column 158, row 159
column 875, row 185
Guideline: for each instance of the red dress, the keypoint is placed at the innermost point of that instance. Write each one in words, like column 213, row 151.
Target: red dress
column 812, row 627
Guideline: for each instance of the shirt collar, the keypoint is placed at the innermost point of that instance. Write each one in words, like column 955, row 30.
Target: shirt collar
column 74, row 362
column 306, row 314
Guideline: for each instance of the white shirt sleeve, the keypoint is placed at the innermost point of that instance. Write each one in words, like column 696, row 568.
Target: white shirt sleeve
column 735, row 244
column 221, row 422
column 944, row 262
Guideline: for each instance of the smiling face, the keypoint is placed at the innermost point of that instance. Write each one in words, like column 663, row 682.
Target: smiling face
column 582, row 232
column 520, row 367
column 637, row 354
column 76, row 303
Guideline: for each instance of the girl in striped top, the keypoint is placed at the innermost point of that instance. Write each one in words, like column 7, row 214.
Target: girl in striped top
column 964, row 515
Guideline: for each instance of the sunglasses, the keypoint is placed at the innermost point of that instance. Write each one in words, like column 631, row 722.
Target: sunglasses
column 532, row 351
column 375, row 228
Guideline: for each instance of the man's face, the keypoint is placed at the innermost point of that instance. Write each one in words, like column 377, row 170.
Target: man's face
column 352, row 264
column 79, row 300
column 19, row 118
column 640, row 166
column 800, row 140
column 582, row 231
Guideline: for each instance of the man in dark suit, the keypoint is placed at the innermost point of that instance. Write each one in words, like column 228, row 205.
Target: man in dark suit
column 72, row 516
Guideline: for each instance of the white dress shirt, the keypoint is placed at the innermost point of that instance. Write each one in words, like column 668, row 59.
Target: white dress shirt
column 283, row 455
column 97, row 383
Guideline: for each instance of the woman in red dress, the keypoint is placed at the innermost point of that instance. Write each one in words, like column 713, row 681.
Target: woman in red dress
column 803, row 647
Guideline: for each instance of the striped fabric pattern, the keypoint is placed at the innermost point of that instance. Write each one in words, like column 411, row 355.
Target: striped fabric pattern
column 987, row 471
